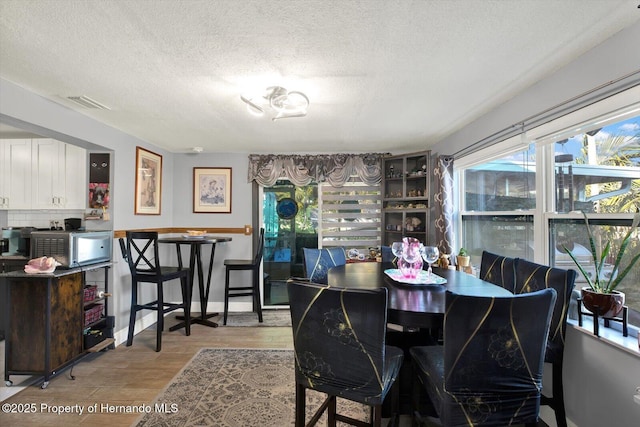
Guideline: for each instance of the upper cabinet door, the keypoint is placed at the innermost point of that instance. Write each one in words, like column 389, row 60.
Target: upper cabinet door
column 59, row 175
column 15, row 174
column 46, row 165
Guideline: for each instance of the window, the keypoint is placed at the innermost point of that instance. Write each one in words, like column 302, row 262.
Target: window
column 598, row 171
column 498, row 206
column 526, row 203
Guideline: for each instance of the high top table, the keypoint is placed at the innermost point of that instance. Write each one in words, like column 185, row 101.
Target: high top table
column 195, row 263
column 412, row 306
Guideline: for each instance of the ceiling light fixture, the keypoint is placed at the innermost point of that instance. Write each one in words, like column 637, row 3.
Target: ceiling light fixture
column 282, row 103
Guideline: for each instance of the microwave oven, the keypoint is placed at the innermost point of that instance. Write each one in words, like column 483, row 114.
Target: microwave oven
column 72, row 248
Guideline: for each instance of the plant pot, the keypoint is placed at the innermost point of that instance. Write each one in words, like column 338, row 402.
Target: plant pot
column 463, row 261
column 604, row 305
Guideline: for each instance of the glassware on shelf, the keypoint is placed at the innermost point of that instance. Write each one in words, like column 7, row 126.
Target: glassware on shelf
column 430, row 254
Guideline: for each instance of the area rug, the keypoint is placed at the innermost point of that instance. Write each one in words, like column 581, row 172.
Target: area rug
column 269, row 318
column 236, row 388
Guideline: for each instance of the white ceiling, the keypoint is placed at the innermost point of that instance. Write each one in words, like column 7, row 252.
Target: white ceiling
column 381, row 75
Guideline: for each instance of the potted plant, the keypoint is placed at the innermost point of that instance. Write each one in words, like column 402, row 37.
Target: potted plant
column 463, row 259
column 601, row 296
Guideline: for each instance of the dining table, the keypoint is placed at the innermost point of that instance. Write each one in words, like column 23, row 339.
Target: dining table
column 195, row 244
column 412, row 305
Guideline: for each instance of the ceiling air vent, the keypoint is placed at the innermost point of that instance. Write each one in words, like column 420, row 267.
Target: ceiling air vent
column 87, row 102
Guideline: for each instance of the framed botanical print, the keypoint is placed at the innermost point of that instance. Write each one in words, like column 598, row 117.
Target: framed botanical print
column 148, row 182
column 212, row 190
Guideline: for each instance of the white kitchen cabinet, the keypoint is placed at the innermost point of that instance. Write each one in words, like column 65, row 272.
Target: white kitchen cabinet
column 42, row 174
column 58, row 175
column 15, row 174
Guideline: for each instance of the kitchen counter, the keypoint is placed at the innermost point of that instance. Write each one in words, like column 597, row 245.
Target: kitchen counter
column 58, row 272
column 14, row 258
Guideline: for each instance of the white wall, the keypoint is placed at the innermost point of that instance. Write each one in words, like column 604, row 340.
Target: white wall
column 599, row 382
column 241, row 211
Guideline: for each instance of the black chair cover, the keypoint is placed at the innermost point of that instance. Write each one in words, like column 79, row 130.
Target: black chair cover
column 317, row 262
column 489, row 371
column 498, row 269
column 531, row 277
column 339, row 342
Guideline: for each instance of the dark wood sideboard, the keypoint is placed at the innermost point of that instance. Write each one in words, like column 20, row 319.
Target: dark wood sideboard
column 46, row 320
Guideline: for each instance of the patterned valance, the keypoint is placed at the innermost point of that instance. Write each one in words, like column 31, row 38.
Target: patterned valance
column 304, row 169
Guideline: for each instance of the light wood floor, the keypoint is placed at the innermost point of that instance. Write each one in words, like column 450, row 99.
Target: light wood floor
column 132, row 375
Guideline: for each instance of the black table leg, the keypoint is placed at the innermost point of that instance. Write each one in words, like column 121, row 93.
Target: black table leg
column 195, row 263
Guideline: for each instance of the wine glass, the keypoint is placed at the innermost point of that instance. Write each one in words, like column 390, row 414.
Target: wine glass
column 396, row 249
column 430, row 254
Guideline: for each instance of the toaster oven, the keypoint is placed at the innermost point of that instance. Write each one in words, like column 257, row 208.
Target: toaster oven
column 72, row 248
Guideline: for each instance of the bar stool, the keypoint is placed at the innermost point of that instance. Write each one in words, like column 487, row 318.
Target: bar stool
column 253, row 290
column 141, row 253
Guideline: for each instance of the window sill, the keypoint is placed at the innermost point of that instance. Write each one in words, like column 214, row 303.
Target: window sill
column 611, row 336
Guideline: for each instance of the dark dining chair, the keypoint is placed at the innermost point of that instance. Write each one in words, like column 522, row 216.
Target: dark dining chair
column 141, row 253
column 387, row 254
column 317, row 262
column 498, row 269
column 340, row 350
column 252, row 290
column 531, row 277
column 489, row 370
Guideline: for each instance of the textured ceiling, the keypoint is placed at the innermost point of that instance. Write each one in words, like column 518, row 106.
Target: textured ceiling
column 380, row 75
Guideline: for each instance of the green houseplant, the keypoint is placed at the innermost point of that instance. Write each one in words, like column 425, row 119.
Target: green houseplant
column 600, row 294
column 463, row 259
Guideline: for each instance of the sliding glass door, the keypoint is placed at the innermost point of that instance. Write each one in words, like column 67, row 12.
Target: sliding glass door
column 290, row 219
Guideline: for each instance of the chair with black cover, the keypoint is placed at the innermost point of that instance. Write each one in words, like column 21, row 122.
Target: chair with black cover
column 252, row 290
column 489, row 370
column 339, row 344
column 387, row 254
column 531, row 277
column 317, row 262
column 498, row 269
column 141, row 254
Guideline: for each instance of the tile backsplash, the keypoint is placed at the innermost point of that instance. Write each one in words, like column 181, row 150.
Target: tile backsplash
column 40, row 218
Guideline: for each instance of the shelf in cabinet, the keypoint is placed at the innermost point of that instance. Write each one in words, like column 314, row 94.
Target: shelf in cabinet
column 92, row 302
column 101, row 345
column 400, row 210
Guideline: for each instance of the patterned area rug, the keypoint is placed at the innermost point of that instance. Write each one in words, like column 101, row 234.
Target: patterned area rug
column 269, row 318
column 237, row 388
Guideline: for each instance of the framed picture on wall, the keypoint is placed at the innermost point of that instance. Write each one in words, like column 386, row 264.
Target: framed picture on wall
column 212, row 190
column 148, row 182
